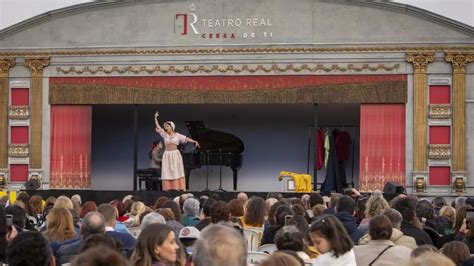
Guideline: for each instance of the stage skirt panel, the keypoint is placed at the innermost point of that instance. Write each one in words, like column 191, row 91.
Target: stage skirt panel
column 172, row 170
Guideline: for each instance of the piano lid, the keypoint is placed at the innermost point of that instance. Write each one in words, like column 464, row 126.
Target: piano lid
column 213, row 140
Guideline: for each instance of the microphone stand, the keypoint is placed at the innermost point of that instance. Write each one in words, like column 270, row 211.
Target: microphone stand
column 207, row 176
column 220, row 189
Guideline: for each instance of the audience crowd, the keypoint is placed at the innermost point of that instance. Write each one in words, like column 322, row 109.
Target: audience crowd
column 337, row 229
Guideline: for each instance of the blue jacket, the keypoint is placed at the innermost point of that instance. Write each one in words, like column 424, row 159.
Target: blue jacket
column 128, row 241
column 350, row 224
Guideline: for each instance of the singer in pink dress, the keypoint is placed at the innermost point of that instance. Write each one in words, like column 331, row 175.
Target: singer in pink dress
column 172, row 169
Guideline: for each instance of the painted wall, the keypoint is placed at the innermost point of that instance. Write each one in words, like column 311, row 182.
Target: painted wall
column 275, row 139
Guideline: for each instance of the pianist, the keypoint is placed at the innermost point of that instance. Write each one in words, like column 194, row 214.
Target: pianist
column 156, row 155
column 172, row 169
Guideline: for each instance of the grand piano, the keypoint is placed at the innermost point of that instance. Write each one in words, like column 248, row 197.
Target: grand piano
column 217, row 148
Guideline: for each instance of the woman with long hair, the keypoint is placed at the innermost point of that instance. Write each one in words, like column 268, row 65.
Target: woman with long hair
column 255, row 213
column 59, row 227
column 156, row 246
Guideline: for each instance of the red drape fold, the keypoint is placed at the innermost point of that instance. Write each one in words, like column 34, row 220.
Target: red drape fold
column 71, row 128
column 382, row 145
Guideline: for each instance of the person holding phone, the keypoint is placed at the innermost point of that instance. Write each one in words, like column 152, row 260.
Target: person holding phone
column 172, row 168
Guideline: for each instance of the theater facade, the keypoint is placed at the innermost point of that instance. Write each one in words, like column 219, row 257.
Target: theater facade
column 399, row 80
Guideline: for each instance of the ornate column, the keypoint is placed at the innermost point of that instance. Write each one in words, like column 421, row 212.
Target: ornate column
column 36, row 65
column 459, row 62
column 420, row 62
column 5, row 65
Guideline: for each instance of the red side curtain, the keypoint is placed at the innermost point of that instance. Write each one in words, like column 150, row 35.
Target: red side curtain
column 382, row 145
column 71, row 128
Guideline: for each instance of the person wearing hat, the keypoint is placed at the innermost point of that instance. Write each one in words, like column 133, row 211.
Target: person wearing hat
column 172, row 169
column 188, row 236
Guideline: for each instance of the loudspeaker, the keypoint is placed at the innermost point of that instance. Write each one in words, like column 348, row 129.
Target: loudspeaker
column 33, row 184
column 392, row 189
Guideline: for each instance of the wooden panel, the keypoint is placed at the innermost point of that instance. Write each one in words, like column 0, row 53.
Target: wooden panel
column 420, row 122
column 3, row 123
column 36, row 122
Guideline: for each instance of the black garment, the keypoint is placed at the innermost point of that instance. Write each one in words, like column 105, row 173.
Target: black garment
column 470, row 244
column 445, row 239
column 350, row 224
column 334, row 179
column 203, row 223
column 420, row 236
column 269, row 234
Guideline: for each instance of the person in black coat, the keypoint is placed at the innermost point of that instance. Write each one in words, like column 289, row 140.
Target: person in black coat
column 345, row 210
column 282, row 212
column 406, row 207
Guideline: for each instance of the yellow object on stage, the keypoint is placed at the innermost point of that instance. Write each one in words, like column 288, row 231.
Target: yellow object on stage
column 302, row 181
column 12, row 197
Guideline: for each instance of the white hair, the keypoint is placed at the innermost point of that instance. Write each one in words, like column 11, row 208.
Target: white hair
column 152, row 218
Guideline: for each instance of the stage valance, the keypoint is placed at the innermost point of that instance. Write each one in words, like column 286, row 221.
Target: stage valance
column 226, row 89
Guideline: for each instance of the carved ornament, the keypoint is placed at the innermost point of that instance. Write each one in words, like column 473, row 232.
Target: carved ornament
column 439, row 151
column 420, row 61
column 459, row 61
column 227, row 69
column 18, row 150
column 440, row 111
column 5, row 65
column 249, row 50
column 36, row 65
column 19, row 112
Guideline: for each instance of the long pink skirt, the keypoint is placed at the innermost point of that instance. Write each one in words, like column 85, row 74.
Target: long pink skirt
column 176, row 184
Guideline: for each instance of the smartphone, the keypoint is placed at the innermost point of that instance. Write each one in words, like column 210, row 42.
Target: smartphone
column 9, row 220
column 287, row 219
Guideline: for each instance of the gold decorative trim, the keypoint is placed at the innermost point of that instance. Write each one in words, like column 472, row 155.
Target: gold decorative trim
column 249, row 50
column 439, row 151
column 18, row 150
column 227, row 69
column 459, row 61
column 20, row 112
column 420, row 61
column 3, row 180
column 440, row 111
column 374, row 92
column 36, row 65
column 5, row 65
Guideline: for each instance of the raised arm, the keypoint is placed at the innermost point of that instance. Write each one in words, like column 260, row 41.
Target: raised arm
column 157, row 125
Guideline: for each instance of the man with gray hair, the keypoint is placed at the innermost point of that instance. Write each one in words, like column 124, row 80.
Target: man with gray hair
column 220, row 245
column 191, row 212
column 398, row 238
column 93, row 223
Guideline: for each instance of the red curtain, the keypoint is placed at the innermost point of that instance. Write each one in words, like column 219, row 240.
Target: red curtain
column 382, row 145
column 71, row 127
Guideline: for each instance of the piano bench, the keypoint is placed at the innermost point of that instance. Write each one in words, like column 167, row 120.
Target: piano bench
column 151, row 183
